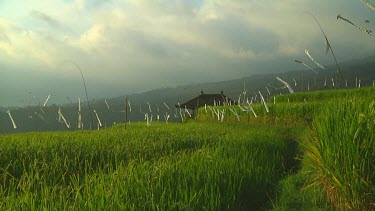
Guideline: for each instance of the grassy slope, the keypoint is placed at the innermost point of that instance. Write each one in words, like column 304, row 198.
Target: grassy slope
column 176, row 166
column 338, row 158
column 338, row 154
column 203, row 165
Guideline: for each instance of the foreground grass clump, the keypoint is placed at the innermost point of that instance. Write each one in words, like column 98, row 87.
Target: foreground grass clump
column 193, row 166
column 341, row 154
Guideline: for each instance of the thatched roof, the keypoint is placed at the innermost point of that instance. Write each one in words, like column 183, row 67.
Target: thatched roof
column 206, row 99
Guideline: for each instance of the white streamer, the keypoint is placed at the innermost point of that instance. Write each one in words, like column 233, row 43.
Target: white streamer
column 97, row 117
column 308, row 54
column 264, row 102
column 166, row 105
column 45, row 102
column 12, row 120
column 286, row 84
column 63, row 118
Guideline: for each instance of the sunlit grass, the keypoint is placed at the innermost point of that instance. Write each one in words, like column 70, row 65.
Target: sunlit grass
column 341, row 154
column 193, row 166
column 338, row 156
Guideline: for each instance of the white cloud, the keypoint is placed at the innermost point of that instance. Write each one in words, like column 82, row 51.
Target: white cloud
column 173, row 40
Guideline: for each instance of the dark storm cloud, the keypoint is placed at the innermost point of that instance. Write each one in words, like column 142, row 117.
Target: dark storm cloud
column 238, row 34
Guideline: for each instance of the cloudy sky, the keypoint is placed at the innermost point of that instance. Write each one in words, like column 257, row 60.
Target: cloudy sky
column 131, row 46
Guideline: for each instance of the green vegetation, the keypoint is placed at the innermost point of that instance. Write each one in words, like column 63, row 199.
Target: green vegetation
column 325, row 161
column 295, row 109
column 280, row 114
column 366, row 94
column 176, row 166
column 338, row 156
column 294, row 196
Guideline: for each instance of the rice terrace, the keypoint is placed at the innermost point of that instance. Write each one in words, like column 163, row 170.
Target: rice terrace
column 278, row 113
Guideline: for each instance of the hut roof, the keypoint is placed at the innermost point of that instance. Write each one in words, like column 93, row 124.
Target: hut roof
column 206, row 99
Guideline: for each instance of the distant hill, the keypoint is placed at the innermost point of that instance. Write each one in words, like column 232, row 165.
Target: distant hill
column 33, row 118
column 363, row 70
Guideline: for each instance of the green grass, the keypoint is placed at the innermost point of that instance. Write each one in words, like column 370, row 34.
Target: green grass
column 338, row 156
column 293, row 109
column 193, row 166
column 366, row 94
column 289, row 114
column 293, row 195
column 324, row 162
column 341, row 154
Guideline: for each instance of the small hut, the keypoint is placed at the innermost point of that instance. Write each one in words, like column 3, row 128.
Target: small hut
column 206, row 100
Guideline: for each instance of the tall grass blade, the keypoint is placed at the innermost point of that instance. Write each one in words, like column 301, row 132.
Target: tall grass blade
column 328, row 45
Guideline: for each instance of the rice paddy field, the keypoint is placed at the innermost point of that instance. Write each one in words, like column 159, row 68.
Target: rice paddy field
column 193, row 166
column 304, row 154
column 337, row 157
